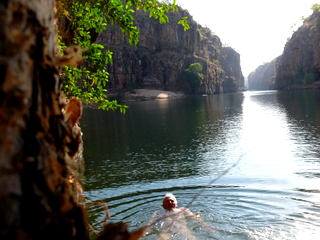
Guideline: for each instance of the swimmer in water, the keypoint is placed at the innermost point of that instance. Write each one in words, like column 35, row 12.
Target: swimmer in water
column 171, row 221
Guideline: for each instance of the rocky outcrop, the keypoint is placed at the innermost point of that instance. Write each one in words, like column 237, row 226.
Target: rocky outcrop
column 233, row 78
column 263, row 78
column 300, row 62
column 163, row 53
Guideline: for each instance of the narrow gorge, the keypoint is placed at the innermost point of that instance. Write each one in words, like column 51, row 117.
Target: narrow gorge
column 165, row 51
column 299, row 64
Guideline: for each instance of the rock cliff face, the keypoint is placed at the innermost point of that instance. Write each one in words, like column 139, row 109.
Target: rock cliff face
column 263, row 78
column 163, row 53
column 233, row 78
column 300, row 61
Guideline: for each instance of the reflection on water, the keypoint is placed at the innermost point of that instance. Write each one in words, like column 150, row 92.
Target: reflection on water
column 180, row 145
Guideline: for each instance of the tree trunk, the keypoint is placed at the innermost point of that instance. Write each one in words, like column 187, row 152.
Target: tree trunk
column 36, row 143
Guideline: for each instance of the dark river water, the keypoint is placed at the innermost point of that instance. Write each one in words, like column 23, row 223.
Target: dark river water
column 269, row 141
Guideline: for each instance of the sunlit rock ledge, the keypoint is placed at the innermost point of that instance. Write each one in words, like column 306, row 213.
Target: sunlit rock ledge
column 149, row 94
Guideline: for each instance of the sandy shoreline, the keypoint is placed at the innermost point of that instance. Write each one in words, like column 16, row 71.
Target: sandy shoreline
column 152, row 94
column 149, row 94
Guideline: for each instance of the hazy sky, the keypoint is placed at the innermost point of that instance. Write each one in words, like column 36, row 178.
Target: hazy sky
column 257, row 29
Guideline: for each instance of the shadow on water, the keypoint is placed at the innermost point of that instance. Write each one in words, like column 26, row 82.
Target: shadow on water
column 154, row 140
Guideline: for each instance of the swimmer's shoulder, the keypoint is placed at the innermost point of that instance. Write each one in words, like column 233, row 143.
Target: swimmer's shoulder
column 159, row 213
column 186, row 211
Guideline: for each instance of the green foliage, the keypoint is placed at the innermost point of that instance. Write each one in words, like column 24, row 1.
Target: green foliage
column 225, row 45
column 306, row 77
column 205, row 32
column 87, row 19
column 299, row 75
column 315, row 7
column 184, row 23
column 194, row 76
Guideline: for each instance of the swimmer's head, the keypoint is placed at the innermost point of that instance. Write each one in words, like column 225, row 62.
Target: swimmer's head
column 169, row 202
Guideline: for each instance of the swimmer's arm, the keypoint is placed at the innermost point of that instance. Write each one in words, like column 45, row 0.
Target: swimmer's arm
column 153, row 218
column 205, row 225
column 151, row 221
column 198, row 219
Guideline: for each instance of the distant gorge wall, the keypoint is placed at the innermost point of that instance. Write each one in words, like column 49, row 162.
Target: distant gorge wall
column 163, row 53
column 263, row 78
column 299, row 64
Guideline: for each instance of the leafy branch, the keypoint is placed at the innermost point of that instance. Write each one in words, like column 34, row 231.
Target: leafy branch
column 87, row 19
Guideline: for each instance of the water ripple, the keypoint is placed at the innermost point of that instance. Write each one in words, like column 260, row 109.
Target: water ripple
column 233, row 210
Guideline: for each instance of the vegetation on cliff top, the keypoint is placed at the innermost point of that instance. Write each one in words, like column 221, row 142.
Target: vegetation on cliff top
column 315, row 7
column 82, row 21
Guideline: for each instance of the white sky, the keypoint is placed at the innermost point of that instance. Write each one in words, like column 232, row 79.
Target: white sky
column 256, row 29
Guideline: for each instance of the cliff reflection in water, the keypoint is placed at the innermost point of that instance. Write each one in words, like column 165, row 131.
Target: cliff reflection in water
column 154, row 140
